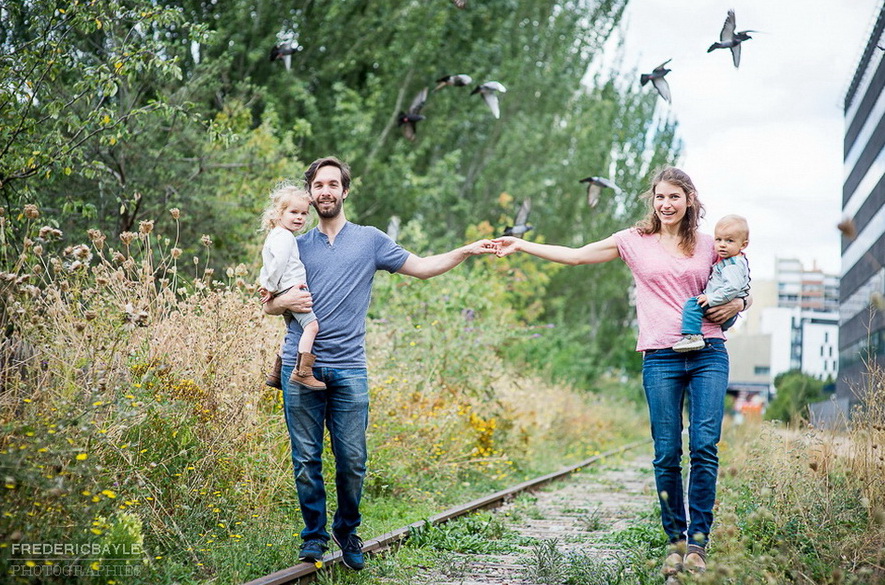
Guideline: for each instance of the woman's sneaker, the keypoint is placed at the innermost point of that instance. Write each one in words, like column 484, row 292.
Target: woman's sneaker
column 351, row 551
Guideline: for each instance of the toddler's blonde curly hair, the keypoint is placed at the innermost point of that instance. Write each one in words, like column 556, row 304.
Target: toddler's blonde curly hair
column 280, row 198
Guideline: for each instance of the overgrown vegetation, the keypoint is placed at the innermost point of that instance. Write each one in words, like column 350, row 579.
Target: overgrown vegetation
column 133, row 408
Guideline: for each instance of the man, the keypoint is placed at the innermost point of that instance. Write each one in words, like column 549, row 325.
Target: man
column 341, row 259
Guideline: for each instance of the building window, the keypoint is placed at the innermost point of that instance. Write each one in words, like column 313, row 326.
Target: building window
column 762, row 370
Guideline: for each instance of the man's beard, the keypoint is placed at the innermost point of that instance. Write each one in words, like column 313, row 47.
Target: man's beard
column 330, row 212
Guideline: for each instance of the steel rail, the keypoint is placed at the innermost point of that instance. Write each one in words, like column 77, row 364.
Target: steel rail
column 305, row 571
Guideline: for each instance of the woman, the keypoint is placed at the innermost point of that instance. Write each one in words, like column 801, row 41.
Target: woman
column 670, row 261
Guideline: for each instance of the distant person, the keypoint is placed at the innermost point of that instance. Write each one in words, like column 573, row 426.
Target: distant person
column 670, row 260
column 283, row 270
column 341, row 260
column 729, row 279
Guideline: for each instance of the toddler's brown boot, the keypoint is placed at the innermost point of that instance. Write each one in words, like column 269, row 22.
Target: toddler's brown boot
column 303, row 373
column 274, row 379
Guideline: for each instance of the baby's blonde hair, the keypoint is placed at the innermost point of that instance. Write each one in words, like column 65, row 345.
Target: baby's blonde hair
column 280, row 197
column 739, row 223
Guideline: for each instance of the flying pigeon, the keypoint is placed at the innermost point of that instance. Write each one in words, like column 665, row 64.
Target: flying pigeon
column 657, row 79
column 284, row 51
column 520, row 227
column 489, row 91
column 453, row 80
column 409, row 120
column 595, row 186
column 393, row 227
column 729, row 39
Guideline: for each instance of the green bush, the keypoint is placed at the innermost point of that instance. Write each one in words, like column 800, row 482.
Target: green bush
column 795, row 391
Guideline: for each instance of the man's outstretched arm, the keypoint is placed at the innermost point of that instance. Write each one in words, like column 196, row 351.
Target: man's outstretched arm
column 430, row 266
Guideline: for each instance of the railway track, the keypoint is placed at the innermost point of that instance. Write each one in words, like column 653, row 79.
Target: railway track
column 306, row 572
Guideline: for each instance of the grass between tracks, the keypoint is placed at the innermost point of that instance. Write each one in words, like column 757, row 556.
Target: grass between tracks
column 137, row 430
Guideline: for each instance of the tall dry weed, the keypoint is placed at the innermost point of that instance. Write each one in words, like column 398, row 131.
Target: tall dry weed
column 867, row 439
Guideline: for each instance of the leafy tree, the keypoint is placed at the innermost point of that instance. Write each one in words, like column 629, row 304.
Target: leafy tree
column 102, row 127
column 795, row 391
column 130, row 108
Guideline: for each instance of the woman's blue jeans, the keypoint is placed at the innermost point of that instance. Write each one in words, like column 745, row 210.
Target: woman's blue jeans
column 671, row 380
column 343, row 408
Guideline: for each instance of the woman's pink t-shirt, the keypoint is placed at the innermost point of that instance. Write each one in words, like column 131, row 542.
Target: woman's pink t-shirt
column 663, row 283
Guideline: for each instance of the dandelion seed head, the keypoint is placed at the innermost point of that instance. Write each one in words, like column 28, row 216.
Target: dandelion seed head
column 38, row 250
column 146, row 227
column 97, row 237
column 175, row 213
column 206, row 240
column 127, row 237
column 47, row 232
column 31, row 211
column 81, row 252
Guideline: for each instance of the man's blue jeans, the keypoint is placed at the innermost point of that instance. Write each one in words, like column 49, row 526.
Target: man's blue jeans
column 343, row 408
column 669, row 378
column 693, row 313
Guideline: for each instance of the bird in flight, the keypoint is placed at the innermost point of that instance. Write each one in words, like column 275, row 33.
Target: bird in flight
column 729, row 39
column 520, row 225
column 284, row 51
column 409, row 120
column 657, row 80
column 393, row 227
column 595, row 186
column 459, row 80
column 489, row 91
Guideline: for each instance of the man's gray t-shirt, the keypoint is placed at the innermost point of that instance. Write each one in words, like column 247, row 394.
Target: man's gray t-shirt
column 340, row 277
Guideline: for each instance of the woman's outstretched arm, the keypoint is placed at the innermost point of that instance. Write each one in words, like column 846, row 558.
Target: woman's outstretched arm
column 592, row 253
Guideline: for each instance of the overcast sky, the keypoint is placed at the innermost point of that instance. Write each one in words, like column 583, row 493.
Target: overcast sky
column 764, row 140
